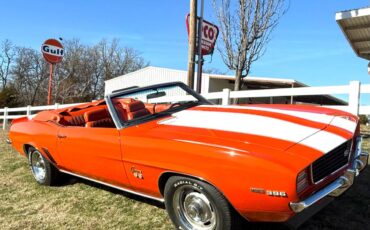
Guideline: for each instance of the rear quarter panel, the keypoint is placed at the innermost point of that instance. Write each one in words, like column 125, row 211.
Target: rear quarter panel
column 39, row 134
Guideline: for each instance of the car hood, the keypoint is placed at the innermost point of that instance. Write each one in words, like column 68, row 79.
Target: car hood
column 278, row 127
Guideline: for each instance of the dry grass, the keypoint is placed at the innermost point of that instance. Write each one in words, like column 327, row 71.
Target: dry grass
column 79, row 204
column 75, row 205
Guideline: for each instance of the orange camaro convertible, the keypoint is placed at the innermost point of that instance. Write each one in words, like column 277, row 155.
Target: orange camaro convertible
column 209, row 164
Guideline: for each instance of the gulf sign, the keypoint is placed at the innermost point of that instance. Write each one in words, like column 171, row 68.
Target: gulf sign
column 53, row 51
column 209, row 35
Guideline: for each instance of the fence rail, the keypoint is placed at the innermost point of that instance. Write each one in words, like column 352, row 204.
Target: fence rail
column 354, row 90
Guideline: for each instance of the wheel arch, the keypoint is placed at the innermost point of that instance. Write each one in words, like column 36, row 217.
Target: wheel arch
column 26, row 148
column 44, row 153
column 163, row 178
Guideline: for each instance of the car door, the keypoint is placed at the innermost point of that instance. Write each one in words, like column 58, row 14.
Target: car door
column 92, row 152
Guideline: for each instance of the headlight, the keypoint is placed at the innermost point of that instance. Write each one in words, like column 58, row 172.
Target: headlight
column 302, row 181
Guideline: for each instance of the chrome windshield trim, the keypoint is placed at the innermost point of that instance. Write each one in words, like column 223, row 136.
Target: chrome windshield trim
column 113, row 113
column 200, row 100
column 114, row 186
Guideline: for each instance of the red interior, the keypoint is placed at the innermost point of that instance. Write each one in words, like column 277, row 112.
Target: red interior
column 135, row 109
column 98, row 118
column 98, row 115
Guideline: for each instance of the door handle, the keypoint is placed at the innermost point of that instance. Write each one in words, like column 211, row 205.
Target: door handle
column 61, row 136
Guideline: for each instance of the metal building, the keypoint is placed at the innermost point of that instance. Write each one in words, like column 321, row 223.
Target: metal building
column 215, row 83
column 355, row 25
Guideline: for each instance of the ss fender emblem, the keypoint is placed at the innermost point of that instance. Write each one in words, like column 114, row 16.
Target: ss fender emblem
column 137, row 173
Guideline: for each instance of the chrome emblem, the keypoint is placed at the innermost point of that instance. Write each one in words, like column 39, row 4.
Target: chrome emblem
column 269, row 192
column 258, row 190
column 276, row 193
column 346, row 153
column 137, row 173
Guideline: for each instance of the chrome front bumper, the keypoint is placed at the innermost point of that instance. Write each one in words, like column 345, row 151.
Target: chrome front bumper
column 340, row 185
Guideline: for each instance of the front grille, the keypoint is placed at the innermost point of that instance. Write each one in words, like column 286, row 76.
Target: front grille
column 331, row 162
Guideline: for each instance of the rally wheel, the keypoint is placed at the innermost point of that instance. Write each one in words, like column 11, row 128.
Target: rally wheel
column 43, row 172
column 193, row 204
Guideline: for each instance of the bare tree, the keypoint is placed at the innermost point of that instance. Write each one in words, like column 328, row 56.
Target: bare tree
column 214, row 71
column 6, row 59
column 30, row 74
column 117, row 60
column 245, row 28
column 79, row 77
column 72, row 77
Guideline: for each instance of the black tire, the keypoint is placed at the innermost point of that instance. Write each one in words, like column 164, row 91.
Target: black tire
column 43, row 172
column 193, row 204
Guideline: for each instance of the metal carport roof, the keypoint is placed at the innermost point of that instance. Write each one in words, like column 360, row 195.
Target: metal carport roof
column 275, row 83
column 355, row 25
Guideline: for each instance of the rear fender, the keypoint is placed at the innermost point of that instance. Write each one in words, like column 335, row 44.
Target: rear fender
column 22, row 119
column 44, row 152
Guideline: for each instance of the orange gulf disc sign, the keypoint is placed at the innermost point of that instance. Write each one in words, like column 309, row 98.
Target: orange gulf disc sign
column 53, row 51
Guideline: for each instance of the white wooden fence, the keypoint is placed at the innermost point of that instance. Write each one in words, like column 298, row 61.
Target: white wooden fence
column 354, row 91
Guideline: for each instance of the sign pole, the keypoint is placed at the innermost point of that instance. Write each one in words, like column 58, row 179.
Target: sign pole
column 200, row 56
column 53, row 52
column 50, row 83
column 192, row 41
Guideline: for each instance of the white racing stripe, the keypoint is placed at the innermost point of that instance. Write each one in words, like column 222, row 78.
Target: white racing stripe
column 322, row 118
column 344, row 124
column 339, row 122
column 323, row 142
column 254, row 125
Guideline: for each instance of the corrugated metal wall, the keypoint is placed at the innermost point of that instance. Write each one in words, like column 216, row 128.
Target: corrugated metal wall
column 151, row 76
column 144, row 77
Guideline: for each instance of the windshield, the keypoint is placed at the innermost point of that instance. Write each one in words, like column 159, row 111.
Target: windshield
column 151, row 102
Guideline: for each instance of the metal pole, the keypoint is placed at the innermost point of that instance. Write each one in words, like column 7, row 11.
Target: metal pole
column 50, row 84
column 200, row 57
column 5, row 119
column 192, row 41
column 291, row 97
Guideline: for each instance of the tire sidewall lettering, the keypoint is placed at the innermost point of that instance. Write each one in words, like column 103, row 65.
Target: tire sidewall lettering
column 187, row 182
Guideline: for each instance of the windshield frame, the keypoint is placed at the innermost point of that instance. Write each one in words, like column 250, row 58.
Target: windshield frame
column 120, row 124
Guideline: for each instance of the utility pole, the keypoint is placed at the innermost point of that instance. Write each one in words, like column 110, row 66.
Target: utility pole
column 200, row 56
column 192, row 42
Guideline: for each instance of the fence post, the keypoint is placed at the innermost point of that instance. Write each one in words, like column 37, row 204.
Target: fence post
column 5, row 120
column 56, row 105
column 354, row 97
column 225, row 96
column 28, row 111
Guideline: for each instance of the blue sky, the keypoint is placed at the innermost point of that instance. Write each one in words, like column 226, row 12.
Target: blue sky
column 307, row 46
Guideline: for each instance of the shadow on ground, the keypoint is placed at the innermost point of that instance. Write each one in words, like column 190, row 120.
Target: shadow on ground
column 349, row 211
column 70, row 180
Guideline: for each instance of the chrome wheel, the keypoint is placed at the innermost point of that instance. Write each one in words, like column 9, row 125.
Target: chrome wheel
column 38, row 166
column 194, row 209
